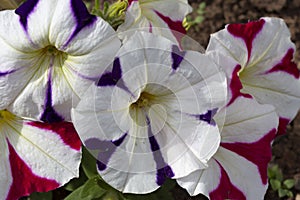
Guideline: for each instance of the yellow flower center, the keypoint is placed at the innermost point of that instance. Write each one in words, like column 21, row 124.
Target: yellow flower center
column 144, row 100
column 5, row 115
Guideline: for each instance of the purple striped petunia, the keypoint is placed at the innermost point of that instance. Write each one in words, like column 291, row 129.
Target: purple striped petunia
column 149, row 117
column 47, row 46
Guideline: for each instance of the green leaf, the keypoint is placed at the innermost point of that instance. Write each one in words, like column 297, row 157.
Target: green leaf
column 113, row 194
column 275, row 184
column 199, row 19
column 76, row 182
column 290, row 194
column 289, row 183
column 88, row 163
column 271, row 173
column 275, row 173
column 92, row 190
column 75, row 194
column 162, row 193
column 282, row 192
column 41, row 196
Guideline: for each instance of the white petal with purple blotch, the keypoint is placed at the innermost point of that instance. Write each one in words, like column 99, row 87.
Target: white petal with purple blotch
column 59, row 45
column 150, row 114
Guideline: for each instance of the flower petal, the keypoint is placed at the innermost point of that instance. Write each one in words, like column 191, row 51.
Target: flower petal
column 279, row 89
column 99, row 107
column 53, row 55
column 5, row 173
column 158, row 17
column 264, row 52
column 144, row 122
column 244, row 154
column 48, row 155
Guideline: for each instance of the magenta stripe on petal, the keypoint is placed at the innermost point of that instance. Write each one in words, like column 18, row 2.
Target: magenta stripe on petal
column 287, row 65
column 225, row 189
column 236, row 86
column 283, row 122
column 130, row 1
column 175, row 26
column 247, row 32
column 65, row 130
column 24, row 181
column 259, row 153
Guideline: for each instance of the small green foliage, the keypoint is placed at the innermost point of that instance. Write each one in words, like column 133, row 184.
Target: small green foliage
column 279, row 184
column 90, row 190
column 88, row 163
column 162, row 193
column 40, row 196
column 114, row 13
column 90, row 186
column 190, row 21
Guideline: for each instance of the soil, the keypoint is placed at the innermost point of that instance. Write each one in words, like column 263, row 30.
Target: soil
column 218, row 13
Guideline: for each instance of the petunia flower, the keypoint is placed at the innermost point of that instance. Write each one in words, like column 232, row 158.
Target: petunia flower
column 161, row 17
column 35, row 156
column 238, row 170
column 263, row 52
column 149, row 117
column 44, row 44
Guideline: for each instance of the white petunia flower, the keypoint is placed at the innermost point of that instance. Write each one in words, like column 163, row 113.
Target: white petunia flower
column 238, row 170
column 149, row 117
column 161, row 17
column 263, row 54
column 35, row 156
column 44, row 44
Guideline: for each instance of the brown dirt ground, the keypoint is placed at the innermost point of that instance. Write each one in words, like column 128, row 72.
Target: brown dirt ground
column 286, row 148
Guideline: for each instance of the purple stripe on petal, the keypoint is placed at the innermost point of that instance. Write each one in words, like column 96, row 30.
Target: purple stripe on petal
column 208, row 117
column 49, row 115
column 82, row 16
column 164, row 171
column 105, row 148
column 24, row 11
column 6, row 73
column 177, row 56
column 111, row 78
column 114, row 78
